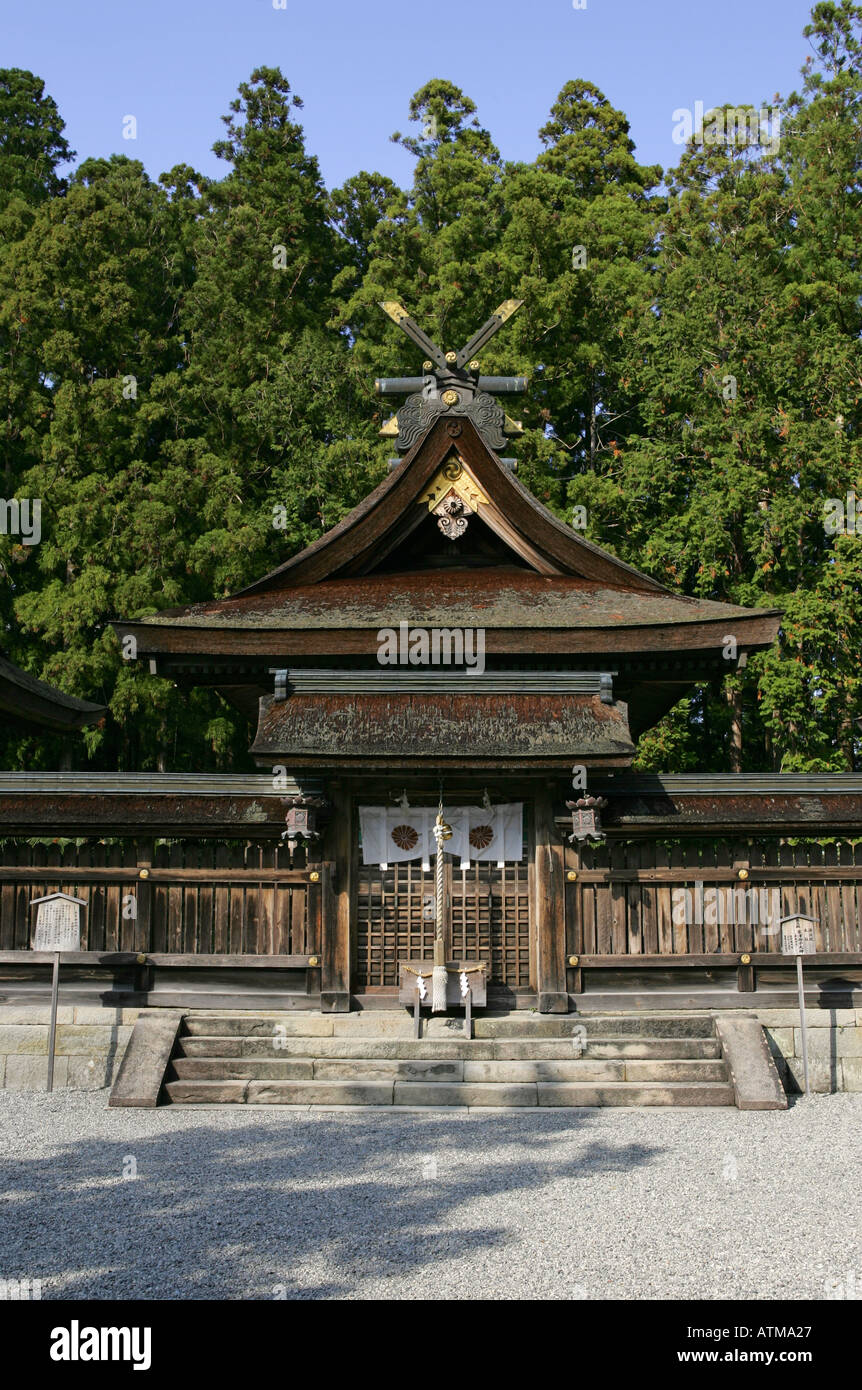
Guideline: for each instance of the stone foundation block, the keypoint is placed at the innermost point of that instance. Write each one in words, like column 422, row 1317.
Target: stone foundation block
column 25, row 1073
column 24, row 1037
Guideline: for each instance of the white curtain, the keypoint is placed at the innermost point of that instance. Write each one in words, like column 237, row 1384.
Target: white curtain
column 392, row 836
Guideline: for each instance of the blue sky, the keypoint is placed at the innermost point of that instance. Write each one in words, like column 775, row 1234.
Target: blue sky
column 175, row 65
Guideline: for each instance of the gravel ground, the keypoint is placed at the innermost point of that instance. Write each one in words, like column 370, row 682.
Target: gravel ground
column 273, row 1203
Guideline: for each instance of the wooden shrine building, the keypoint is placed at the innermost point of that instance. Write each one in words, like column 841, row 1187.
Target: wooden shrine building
column 449, row 638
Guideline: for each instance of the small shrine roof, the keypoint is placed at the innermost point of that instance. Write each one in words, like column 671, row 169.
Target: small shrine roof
column 514, row 731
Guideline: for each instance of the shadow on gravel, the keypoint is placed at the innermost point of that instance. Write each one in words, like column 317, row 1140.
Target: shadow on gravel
column 236, row 1212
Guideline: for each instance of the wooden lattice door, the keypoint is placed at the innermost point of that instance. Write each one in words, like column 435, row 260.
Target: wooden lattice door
column 487, row 918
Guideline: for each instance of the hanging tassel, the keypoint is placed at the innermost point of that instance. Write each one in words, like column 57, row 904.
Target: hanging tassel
column 439, row 979
column 439, row 982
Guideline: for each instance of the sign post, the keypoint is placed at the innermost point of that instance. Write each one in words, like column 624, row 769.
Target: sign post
column 57, row 929
column 798, row 939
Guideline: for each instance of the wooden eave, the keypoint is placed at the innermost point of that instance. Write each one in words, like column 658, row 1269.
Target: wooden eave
column 29, row 701
column 521, row 612
column 189, row 645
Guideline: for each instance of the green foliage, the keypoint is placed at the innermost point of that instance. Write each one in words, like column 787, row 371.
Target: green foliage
column 32, row 144
column 187, row 371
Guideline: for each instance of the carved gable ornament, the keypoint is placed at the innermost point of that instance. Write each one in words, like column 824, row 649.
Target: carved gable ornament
column 453, row 497
column 451, row 384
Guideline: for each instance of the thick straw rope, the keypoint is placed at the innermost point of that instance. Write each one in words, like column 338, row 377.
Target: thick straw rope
column 439, row 975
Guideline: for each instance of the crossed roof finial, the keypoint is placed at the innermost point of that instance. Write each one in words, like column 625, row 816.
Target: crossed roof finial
column 455, row 387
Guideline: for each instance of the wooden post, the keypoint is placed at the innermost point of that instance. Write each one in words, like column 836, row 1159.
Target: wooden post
column 337, row 908
column 804, row 1029
column 317, row 893
column 574, row 901
column 745, row 978
column 52, row 1030
column 144, row 899
column 550, row 909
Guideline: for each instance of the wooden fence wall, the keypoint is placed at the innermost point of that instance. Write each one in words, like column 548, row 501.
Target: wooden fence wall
column 627, row 897
column 633, row 897
column 188, row 897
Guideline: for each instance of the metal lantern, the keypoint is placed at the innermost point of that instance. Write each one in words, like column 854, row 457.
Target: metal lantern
column 586, row 817
column 301, row 820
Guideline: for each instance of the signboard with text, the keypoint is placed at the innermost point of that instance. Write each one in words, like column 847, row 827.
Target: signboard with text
column 58, row 923
column 797, row 936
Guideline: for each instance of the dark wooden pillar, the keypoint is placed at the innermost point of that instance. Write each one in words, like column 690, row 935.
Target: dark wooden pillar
column 550, row 910
column 337, row 917
column 144, row 974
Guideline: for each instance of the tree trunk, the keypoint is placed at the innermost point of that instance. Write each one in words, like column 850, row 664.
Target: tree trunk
column 734, row 701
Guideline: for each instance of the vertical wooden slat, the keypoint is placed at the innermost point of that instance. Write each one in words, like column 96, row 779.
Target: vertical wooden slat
column 833, row 904
column 220, row 905
column 679, row 926
column 650, row 858
column 237, row 903
column 143, row 891
column 693, row 857
column 8, row 924
column 126, row 926
column 190, row 937
column 619, row 901
column 106, row 902
column 600, row 858
column 848, row 903
column 790, row 886
column 160, row 902
column 176, row 893
column 664, row 905
column 635, row 859
column 817, row 856
column 857, row 938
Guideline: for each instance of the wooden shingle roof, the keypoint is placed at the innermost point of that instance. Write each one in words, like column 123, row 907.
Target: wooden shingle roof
column 552, row 591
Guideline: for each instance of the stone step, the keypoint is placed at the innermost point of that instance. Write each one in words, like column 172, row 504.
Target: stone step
column 593, row 1025
column 340, row 1068
column 425, row 1093
column 264, row 1092
column 301, row 1024
column 637, row 1093
column 600, row 1048
column 239, row 1069
column 450, row 1049
column 206, row 1092
column 584, row 1069
column 317, row 1069
column 370, row 1069
column 383, row 1025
